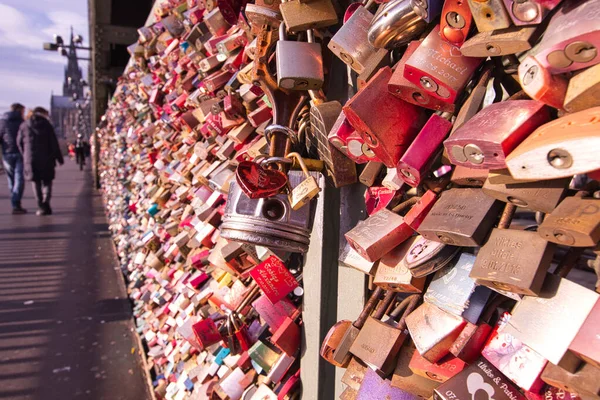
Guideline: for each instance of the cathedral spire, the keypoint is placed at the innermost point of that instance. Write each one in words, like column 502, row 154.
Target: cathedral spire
column 73, row 75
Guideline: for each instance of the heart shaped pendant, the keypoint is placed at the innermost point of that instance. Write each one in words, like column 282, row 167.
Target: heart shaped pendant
column 257, row 182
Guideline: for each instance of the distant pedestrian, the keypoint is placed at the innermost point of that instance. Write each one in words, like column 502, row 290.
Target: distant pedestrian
column 11, row 156
column 39, row 146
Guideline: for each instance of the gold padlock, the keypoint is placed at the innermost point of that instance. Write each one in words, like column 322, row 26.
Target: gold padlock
column 306, row 190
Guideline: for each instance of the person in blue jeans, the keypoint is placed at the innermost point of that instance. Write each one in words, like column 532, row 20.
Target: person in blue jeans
column 11, row 156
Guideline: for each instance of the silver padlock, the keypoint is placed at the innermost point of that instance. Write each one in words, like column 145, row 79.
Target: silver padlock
column 299, row 64
column 350, row 42
column 269, row 222
column 395, row 24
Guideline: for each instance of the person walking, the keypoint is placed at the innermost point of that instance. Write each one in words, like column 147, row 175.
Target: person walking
column 11, row 156
column 38, row 144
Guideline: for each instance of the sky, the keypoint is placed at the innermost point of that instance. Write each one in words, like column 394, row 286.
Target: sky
column 28, row 74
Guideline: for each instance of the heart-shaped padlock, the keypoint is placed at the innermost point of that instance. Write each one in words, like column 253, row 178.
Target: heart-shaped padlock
column 258, row 182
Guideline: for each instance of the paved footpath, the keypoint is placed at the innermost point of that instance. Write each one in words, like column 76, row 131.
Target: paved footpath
column 65, row 321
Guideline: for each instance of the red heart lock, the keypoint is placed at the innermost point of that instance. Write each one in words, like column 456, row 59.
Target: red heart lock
column 257, row 182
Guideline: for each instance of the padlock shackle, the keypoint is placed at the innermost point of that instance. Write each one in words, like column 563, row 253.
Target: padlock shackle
column 371, row 303
column 298, row 157
column 568, row 261
column 384, row 304
column 507, row 216
column 406, row 307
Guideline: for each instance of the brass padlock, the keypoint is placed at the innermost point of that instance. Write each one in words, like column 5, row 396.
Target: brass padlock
column 342, row 352
column 350, row 42
column 301, row 16
column 513, row 260
column 574, row 222
column 378, row 343
column 584, row 382
column 465, row 176
column 306, row 190
column 501, row 42
column 299, row 64
column 583, row 90
column 489, row 15
column 559, row 149
column 461, row 217
column 392, row 273
column 541, row 196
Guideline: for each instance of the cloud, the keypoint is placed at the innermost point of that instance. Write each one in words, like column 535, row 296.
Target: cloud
column 27, row 88
column 17, row 30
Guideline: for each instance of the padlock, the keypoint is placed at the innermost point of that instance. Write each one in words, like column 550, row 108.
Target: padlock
column 393, row 274
column 378, row 343
column 397, row 22
column 514, row 359
column 306, row 190
column 441, row 371
column 560, row 312
column 583, row 90
column 474, row 336
column 439, row 68
column 215, row 22
column 379, row 60
column 377, row 198
column 528, row 12
column 370, row 173
column 455, row 22
column 267, row 222
column 461, row 217
column 405, row 379
column 416, row 162
column 354, row 374
column 489, row 15
column 540, row 85
column 453, row 291
column 341, row 351
column 574, row 222
column 572, row 38
column 426, row 257
column 347, row 140
column 479, row 380
column 377, row 235
column 541, row 196
column 301, row 16
column 350, row 258
column 513, row 260
column 464, row 176
column 400, row 87
column 349, row 342
column 299, row 64
column 323, row 116
column 433, row 340
column 288, row 336
column 332, row 341
column 501, row 42
column 584, row 381
column 558, row 149
column 415, row 216
column 586, row 344
column 393, row 114
column 485, row 140
column 350, row 42
column 263, row 355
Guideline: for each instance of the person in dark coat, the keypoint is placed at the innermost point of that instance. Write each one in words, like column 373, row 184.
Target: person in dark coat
column 11, row 156
column 39, row 146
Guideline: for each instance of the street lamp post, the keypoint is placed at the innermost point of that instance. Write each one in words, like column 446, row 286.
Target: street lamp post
column 83, row 105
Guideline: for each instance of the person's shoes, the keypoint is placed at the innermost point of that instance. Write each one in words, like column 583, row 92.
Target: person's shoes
column 19, row 211
column 44, row 210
